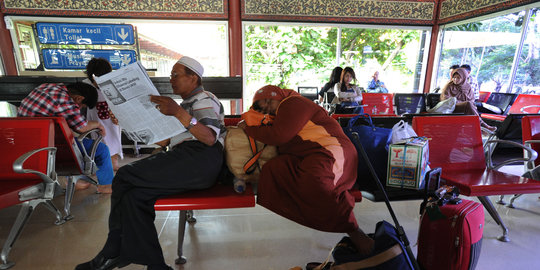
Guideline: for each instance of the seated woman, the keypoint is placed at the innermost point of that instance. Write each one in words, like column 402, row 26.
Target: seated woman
column 459, row 88
column 349, row 95
column 309, row 181
column 334, row 78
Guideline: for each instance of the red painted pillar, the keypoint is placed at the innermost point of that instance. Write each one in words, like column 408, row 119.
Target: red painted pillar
column 431, row 57
column 6, row 47
column 235, row 38
column 235, row 47
column 432, row 48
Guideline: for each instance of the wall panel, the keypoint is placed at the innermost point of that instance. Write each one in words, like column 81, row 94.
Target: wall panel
column 456, row 10
column 181, row 9
column 420, row 12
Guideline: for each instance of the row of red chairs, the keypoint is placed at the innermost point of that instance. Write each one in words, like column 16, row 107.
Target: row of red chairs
column 456, row 146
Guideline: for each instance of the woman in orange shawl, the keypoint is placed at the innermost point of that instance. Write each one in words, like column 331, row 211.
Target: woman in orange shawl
column 460, row 88
column 309, row 181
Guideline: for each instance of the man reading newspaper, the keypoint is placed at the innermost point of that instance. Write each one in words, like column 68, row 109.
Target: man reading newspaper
column 193, row 161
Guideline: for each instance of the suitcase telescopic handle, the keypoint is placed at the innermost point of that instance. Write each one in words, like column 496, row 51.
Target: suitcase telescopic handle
column 399, row 229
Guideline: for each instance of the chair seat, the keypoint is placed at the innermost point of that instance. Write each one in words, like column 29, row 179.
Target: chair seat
column 489, row 182
column 217, row 197
column 9, row 193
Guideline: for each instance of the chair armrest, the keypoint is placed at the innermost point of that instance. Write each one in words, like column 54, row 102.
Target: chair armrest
column 524, row 108
column 491, row 136
column 531, row 154
column 529, row 142
column 529, row 165
column 89, row 164
column 49, row 176
column 489, row 132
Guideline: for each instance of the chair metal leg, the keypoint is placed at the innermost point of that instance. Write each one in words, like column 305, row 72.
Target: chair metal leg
column 511, row 205
column 50, row 205
column 495, row 215
column 501, row 200
column 136, row 149
column 190, row 217
column 181, row 232
column 70, row 190
column 22, row 218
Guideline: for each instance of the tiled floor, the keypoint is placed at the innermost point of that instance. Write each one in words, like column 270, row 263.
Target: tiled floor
column 245, row 239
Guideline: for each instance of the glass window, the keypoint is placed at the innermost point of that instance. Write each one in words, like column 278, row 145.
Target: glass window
column 158, row 46
column 396, row 54
column 488, row 46
column 286, row 56
column 206, row 42
column 527, row 80
column 293, row 56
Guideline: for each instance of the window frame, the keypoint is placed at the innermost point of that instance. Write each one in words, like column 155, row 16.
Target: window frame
column 74, row 73
column 519, row 47
column 423, row 71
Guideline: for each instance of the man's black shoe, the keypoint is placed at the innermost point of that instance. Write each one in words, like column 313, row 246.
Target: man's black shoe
column 101, row 263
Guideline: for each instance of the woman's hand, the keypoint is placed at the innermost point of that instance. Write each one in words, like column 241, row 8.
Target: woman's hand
column 166, row 105
column 242, row 124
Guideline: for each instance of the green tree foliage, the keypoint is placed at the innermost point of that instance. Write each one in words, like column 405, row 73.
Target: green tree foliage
column 494, row 63
column 386, row 46
column 275, row 54
column 497, row 65
column 282, row 55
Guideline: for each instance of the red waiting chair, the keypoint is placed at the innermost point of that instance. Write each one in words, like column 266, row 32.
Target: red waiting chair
column 456, row 146
column 530, row 126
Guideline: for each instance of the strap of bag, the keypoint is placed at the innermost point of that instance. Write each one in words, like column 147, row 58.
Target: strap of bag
column 403, row 165
column 252, row 164
column 378, row 259
column 364, row 116
column 399, row 229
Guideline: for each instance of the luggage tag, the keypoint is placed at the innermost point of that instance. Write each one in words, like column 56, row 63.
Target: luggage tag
column 434, row 212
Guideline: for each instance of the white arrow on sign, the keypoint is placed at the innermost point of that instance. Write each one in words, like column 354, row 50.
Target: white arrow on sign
column 126, row 59
column 123, row 35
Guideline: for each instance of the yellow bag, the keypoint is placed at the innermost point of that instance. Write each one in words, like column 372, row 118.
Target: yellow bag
column 245, row 156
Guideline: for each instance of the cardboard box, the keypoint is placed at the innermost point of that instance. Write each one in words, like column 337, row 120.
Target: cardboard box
column 408, row 170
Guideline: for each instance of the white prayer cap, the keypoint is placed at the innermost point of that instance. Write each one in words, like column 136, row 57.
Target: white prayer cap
column 192, row 64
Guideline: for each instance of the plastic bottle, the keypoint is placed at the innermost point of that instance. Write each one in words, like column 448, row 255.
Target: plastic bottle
column 374, row 110
column 239, row 185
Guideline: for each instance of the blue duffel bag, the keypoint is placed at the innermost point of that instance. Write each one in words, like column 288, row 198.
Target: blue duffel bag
column 375, row 141
column 389, row 252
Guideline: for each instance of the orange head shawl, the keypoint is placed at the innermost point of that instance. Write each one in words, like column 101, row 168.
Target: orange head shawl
column 273, row 92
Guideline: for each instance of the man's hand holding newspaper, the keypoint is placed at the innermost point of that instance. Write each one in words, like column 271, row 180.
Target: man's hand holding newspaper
column 127, row 92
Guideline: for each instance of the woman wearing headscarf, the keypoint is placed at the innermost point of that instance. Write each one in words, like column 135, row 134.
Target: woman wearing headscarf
column 309, row 181
column 460, row 88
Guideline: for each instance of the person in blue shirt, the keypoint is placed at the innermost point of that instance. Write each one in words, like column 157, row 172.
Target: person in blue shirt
column 376, row 85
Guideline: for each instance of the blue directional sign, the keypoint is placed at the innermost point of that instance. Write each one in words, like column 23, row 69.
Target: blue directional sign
column 77, row 59
column 85, row 33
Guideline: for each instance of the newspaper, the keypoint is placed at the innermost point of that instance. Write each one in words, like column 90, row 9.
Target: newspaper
column 127, row 92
